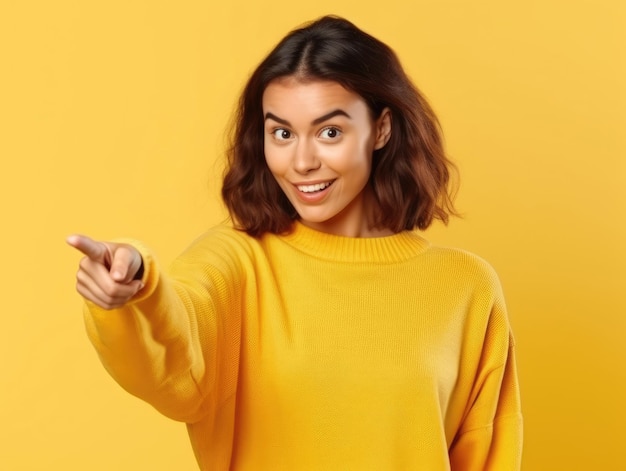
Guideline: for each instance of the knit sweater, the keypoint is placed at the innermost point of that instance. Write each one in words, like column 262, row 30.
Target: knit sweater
column 310, row 351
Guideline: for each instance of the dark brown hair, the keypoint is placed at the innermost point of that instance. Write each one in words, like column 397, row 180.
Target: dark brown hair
column 410, row 174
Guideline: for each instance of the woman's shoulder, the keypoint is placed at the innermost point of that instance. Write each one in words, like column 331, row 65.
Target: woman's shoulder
column 222, row 241
column 463, row 264
column 225, row 234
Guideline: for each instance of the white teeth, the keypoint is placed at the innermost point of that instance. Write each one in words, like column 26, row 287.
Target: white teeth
column 312, row 188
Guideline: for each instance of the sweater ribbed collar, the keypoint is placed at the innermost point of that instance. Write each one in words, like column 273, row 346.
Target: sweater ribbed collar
column 389, row 249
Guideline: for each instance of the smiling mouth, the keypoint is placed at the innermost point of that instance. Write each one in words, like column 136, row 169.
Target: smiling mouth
column 314, row 188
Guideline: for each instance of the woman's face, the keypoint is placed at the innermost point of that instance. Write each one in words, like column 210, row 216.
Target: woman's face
column 319, row 141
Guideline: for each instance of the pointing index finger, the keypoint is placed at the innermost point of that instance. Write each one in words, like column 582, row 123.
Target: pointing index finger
column 92, row 249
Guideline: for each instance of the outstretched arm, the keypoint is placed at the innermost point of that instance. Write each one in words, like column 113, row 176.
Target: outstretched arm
column 145, row 330
column 173, row 341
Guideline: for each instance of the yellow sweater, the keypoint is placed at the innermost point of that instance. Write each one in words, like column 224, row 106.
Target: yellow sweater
column 316, row 352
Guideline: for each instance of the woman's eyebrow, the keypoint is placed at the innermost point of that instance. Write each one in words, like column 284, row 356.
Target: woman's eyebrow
column 319, row 120
column 332, row 114
column 273, row 117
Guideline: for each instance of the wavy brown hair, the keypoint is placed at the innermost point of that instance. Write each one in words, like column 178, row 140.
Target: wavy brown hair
column 410, row 174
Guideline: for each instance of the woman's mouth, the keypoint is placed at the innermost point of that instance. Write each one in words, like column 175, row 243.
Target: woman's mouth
column 314, row 188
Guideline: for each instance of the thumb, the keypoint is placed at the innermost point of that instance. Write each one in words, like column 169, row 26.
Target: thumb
column 125, row 263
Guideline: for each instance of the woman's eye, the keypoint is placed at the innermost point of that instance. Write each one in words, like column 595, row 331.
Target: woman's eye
column 330, row 133
column 281, row 134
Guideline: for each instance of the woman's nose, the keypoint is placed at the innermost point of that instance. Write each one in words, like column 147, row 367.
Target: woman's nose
column 305, row 158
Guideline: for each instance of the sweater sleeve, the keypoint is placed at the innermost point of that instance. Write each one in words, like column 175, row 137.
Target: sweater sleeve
column 490, row 437
column 176, row 344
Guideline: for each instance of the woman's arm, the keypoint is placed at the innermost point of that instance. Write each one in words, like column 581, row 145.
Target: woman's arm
column 490, row 437
column 159, row 337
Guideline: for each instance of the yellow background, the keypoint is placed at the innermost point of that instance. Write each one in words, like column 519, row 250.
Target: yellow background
column 112, row 122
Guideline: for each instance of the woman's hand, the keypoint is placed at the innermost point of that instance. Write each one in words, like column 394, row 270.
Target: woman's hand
column 107, row 274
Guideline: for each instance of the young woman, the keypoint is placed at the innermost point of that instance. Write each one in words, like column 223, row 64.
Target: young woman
column 320, row 332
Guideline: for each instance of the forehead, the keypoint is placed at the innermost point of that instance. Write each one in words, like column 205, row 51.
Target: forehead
column 292, row 97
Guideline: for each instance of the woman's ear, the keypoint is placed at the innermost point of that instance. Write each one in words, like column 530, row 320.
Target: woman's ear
column 383, row 129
